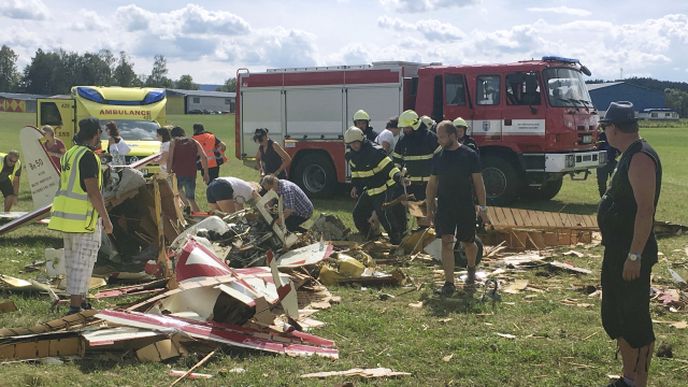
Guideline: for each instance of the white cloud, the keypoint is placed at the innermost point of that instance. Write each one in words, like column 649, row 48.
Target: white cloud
column 277, row 47
column 192, row 19
column 414, row 6
column 23, row 9
column 432, row 30
column 562, row 10
column 88, row 21
column 189, row 33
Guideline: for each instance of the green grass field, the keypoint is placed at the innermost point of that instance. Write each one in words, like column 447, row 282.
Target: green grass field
column 555, row 344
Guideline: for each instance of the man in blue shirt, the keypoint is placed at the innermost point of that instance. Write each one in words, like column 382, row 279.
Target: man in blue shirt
column 297, row 207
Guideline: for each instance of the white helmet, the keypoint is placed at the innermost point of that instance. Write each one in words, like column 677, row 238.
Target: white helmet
column 353, row 134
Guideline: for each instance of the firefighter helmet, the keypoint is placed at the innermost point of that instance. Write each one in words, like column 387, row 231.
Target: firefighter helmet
column 458, row 122
column 409, row 119
column 361, row 115
column 353, row 134
column 429, row 122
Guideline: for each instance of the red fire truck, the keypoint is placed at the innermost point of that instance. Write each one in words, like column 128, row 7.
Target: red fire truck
column 533, row 120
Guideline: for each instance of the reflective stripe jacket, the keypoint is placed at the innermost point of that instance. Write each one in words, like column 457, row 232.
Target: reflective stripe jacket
column 415, row 151
column 17, row 165
column 72, row 211
column 371, row 169
column 207, row 141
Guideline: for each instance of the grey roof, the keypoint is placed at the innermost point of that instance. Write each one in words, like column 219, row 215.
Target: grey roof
column 593, row 86
column 21, row 96
column 201, row 93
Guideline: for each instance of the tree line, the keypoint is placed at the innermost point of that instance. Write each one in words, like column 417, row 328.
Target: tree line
column 55, row 72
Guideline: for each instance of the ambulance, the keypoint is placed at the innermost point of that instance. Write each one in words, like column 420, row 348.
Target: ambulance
column 138, row 113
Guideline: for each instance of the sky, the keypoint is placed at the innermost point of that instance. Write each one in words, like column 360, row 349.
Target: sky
column 211, row 39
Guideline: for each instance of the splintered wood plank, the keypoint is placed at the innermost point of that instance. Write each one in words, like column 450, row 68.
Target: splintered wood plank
column 506, row 217
column 528, row 219
column 517, row 217
column 591, row 221
column 542, row 219
column 551, row 221
column 504, row 220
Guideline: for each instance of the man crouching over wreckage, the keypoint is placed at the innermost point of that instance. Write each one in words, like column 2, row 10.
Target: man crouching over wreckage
column 297, row 207
column 229, row 194
column 455, row 172
column 76, row 207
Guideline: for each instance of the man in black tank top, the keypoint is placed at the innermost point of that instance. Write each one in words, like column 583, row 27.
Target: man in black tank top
column 626, row 220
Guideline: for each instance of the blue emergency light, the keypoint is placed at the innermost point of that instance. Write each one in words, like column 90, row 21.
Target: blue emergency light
column 560, row 59
column 90, row 94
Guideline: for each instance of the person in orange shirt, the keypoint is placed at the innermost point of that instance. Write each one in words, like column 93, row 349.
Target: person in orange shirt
column 213, row 148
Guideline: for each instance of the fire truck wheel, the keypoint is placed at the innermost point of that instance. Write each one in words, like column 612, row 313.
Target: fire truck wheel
column 315, row 175
column 503, row 182
column 546, row 192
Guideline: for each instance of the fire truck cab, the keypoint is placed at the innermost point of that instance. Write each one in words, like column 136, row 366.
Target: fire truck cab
column 533, row 120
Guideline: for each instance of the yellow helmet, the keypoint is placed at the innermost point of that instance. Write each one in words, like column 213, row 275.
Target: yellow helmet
column 460, row 122
column 429, row 122
column 409, row 119
column 353, row 134
column 361, row 115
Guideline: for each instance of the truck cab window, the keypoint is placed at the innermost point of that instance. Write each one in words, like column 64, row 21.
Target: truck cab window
column 487, row 90
column 522, row 88
column 438, row 100
column 50, row 114
column 455, row 89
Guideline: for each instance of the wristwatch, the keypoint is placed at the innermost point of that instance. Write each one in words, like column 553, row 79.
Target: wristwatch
column 633, row 257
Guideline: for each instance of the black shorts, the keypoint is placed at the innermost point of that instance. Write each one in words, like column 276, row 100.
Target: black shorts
column 456, row 221
column 626, row 304
column 219, row 189
column 6, row 188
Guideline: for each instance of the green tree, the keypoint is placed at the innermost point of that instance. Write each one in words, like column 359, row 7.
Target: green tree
column 124, row 74
column 46, row 74
column 158, row 76
column 230, row 85
column 185, row 82
column 9, row 76
column 96, row 69
column 677, row 100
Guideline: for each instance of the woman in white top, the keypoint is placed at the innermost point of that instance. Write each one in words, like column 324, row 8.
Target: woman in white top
column 228, row 194
column 163, row 135
column 116, row 145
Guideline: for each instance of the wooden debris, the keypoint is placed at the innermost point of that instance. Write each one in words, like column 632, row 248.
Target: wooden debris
column 516, row 287
column 569, row 267
column 192, row 369
column 367, row 373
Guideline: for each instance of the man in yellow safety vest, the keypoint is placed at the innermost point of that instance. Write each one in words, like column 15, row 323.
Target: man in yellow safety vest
column 10, row 171
column 76, row 208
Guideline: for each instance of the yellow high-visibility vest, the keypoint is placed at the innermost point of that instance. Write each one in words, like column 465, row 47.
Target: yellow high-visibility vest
column 72, row 211
column 17, row 165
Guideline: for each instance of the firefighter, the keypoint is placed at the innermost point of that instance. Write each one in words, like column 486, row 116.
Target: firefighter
column 362, row 121
column 376, row 181
column 414, row 151
column 464, row 137
column 213, row 148
column 429, row 123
